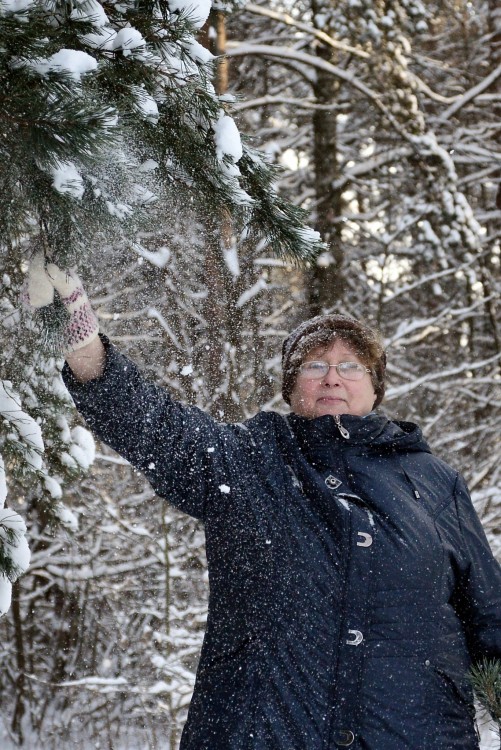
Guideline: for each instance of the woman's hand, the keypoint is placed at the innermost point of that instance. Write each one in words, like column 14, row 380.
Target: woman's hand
column 83, row 349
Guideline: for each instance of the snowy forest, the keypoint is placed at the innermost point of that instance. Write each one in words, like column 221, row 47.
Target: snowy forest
column 216, row 175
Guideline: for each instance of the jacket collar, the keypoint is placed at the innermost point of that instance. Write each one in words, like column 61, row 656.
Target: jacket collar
column 318, row 437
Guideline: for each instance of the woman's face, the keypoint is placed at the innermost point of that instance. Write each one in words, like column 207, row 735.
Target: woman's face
column 332, row 394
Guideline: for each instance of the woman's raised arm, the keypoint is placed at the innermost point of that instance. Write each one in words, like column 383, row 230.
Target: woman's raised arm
column 87, row 362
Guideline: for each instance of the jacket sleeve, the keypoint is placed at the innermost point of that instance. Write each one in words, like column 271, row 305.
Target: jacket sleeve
column 181, row 450
column 478, row 594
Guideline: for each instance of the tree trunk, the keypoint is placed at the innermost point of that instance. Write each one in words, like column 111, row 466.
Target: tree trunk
column 326, row 286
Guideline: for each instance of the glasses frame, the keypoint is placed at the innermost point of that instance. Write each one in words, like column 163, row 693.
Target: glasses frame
column 339, row 364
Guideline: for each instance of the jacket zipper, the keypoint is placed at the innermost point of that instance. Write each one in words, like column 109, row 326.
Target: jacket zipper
column 344, row 432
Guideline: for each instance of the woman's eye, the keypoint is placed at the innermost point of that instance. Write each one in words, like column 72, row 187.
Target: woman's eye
column 312, row 368
column 315, row 366
column 349, row 366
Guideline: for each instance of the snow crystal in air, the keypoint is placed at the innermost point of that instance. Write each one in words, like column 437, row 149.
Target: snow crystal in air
column 187, row 370
column 224, row 489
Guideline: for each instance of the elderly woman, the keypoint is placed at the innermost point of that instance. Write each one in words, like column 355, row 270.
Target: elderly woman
column 351, row 583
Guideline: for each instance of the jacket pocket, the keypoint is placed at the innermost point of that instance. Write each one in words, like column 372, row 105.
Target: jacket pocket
column 455, row 688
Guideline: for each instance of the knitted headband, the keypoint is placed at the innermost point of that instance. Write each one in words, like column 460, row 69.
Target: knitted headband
column 324, row 330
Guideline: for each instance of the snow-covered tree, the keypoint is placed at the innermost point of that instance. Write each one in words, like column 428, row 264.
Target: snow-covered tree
column 394, row 151
column 108, row 115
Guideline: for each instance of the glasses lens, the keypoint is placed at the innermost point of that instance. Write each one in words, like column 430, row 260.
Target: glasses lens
column 314, row 370
column 351, row 370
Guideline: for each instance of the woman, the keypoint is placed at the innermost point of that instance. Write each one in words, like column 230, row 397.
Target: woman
column 351, row 583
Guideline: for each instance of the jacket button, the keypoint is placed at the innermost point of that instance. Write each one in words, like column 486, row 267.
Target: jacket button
column 356, row 639
column 333, row 482
column 343, row 737
column 366, row 539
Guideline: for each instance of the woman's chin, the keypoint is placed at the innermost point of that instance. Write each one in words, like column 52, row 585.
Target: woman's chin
column 323, row 408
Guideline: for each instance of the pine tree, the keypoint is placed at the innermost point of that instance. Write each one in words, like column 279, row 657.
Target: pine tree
column 107, row 113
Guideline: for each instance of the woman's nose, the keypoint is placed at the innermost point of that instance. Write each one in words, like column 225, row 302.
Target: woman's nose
column 332, row 377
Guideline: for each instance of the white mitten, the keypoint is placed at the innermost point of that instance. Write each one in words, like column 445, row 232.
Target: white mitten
column 38, row 289
column 82, row 326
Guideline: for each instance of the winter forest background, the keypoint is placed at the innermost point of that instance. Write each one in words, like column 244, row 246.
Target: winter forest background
column 120, row 152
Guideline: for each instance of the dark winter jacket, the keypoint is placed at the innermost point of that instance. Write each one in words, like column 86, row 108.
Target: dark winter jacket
column 351, row 582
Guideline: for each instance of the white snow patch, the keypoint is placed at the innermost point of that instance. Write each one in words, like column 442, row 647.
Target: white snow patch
column 53, row 487
column 103, row 39
column 9, row 519
column 3, row 483
column 29, row 432
column 66, row 517
column 227, row 138
column 67, row 179
column 159, row 687
column 83, row 449
column 14, row 6
column 148, row 166
column 145, row 104
column 13, row 540
column 158, row 258
column 251, row 292
column 196, row 10
column 198, row 52
column 231, row 259
column 128, row 39
column 62, row 423
column 5, row 594
column 68, row 461
column 72, row 61
column 89, row 10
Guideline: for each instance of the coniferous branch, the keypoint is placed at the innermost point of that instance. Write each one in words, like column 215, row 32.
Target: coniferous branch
column 281, row 222
column 485, row 678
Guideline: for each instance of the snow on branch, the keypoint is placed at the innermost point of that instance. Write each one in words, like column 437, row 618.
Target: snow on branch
column 406, row 388
column 471, row 94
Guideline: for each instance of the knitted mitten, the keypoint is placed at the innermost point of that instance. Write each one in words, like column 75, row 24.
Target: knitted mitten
column 38, row 291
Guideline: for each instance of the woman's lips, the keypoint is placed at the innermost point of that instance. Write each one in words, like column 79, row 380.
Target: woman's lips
column 331, row 399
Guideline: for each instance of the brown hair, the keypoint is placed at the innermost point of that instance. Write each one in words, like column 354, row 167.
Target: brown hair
column 323, row 330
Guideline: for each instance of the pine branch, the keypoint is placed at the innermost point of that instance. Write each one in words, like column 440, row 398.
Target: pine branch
column 280, row 222
column 485, row 678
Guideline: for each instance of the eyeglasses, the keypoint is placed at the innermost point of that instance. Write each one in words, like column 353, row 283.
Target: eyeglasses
column 346, row 370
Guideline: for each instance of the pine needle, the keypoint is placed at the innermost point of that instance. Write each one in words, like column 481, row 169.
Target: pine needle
column 485, row 678
column 51, row 321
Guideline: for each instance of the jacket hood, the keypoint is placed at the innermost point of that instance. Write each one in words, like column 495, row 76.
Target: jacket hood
column 375, row 431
